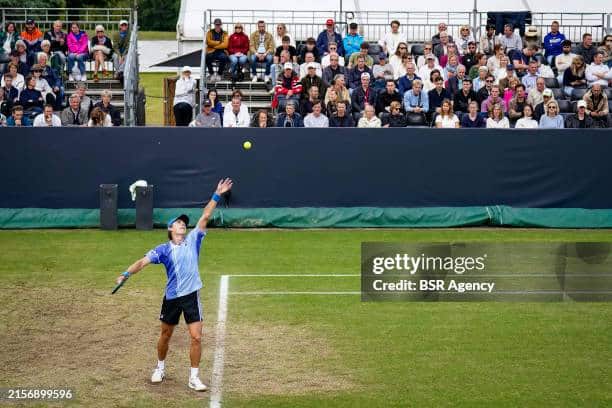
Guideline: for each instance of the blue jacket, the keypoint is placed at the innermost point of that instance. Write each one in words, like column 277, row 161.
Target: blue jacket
column 352, row 43
column 435, row 99
column 345, row 121
column 553, row 44
column 51, row 77
column 404, row 84
column 322, row 43
column 282, row 118
column 10, row 122
column 353, row 79
column 30, row 98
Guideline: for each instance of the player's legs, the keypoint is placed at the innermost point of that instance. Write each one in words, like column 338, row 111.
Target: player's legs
column 195, row 352
column 164, row 340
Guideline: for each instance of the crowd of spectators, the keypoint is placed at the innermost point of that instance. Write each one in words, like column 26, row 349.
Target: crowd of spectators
column 498, row 81
column 34, row 67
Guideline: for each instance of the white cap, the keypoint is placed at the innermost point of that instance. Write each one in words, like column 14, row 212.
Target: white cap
column 365, row 75
column 288, row 65
column 186, row 68
column 122, row 22
column 311, row 65
column 581, row 104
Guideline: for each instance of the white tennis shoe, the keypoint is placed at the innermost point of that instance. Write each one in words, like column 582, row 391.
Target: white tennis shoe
column 196, row 384
column 157, row 376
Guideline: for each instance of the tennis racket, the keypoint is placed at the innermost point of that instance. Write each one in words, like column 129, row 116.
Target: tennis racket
column 118, row 286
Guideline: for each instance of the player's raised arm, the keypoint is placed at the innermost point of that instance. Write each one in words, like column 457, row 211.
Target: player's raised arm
column 134, row 268
column 224, row 186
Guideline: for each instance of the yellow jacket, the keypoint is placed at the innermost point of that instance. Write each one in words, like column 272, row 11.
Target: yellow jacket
column 254, row 43
column 217, row 45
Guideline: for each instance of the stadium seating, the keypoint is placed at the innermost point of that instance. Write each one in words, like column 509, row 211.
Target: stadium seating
column 565, row 106
column 558, row 93
column 578, row 93
column 551, row 83
column 416, row 49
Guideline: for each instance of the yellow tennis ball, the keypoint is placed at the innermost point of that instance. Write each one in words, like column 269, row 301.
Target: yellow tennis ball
column 247, row 145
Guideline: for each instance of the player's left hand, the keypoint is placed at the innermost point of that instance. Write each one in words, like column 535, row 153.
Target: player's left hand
column 224, row 186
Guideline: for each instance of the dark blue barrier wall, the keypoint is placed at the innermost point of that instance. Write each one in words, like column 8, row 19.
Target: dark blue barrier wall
column 62, row 167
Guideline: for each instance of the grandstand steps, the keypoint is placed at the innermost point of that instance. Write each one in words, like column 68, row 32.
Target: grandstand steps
column 255, row 95
column 94, row 91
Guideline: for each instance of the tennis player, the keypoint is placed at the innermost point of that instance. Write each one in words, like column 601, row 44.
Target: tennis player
column 182, row 294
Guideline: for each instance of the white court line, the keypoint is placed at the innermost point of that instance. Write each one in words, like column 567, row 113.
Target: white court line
column 217, row 373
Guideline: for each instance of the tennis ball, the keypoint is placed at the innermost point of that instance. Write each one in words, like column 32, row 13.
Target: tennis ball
column 247, row 145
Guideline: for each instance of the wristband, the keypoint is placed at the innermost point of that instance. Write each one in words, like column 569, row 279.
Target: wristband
column 216, row 197
column 126, row 274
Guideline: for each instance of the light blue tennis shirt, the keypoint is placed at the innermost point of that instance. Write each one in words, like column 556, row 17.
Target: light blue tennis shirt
column 181, row 262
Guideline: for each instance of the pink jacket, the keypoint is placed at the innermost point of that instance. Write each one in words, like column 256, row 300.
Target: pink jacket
column 79, row 46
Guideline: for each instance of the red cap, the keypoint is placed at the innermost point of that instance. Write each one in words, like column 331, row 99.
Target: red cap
column 330, row 21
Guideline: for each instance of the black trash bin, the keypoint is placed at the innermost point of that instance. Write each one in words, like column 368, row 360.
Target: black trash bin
column 108, row 206
column 144, row 207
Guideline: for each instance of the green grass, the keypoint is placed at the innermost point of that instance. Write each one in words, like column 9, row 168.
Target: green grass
column 58, row 321
column 153, row 83
column 156, row 35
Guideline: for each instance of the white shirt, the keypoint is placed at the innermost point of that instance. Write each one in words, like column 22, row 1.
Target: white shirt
column 18, row 82
column 526, row 123
column 325, row 61
column 398, row 69
column 185, row 91
column 230, row 119
column 43, row 86
column 425, row 71
column 39, row 121
column 563, row 62
column 447, row 121
column 593, row 69
column 421, row 61
column 502, row 124
column 313, row 121
column 278, row 40
column 369, row 123
column 304, row 70
column 392, row 40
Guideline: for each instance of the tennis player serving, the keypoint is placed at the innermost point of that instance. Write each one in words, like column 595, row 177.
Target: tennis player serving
column 182, row 294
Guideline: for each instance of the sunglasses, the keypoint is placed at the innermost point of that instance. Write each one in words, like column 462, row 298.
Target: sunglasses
column 488, row 81
column 237, row 27
column 402, row 48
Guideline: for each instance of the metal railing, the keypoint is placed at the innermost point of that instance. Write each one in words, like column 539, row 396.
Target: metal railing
column 131, row 76
column 87, row 18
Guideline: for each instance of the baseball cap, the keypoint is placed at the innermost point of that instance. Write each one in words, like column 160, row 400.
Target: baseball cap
column 483, row 68
column 30, row 21
column 182, row 217
column 547, row 92
column 217, row 21
column 509, row 67
column 531, row 31
column 430, row 56
column 581, row 104
column 353, row 25
column 122, row 22
column 330, row 21
column 288, row 65
column 382, row 55
column 186, row 68
column 471, row 42
column 309, row 65
column 365, row 75
column 207, row 102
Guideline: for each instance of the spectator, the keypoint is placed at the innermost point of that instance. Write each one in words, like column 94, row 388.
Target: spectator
column 564, row 59
column 111, row 111
column 442, row 47
column 502, row 72
column 74, row 115
column 484, row 92
column 510, row 41
column 289, row 118
column 396, row 118
column 311, row 46
column 532, row 38
column 99, row 119
column 310, row 61
column 262, row 50
column 2, row 120
column 8, row 38
column 535, row 96
column 354, row 75
column 333, row 69
column 86, row 102
column 437, row 95
column 362, row 96
column 427, row 50
column 78, row 50
column 452, row 62
column 530, row 78
column 465, row 37
column 331, row 102
column 238, row 49
column 405, row 82
column 553, row 42
column 32, row 36
column 18, row 118
column 329, row 35
column 586, row 48
column 58, row 47
column 341, row 118
column 277, row 69
column 470, row 58
column 306, row 105
column 217, row 41
column 352, row 41
column 184, row 97
column 381, row 72
column 237, row 114
column 369, row 119
column 42, row 85
column 262, row 119
column 47, row 118
column 392, row 39
column 446, row 118
column 473, row 119
column 463, row 98
column 504, row 83
column 540, row 108
column 17, row 79
column 597, row 72
column 606, row 48
column 207, row 118
column 311, row 79
column 517, row 104
column 574, row 76
column 285, row 45
column 430, row 83
column 510, row 91
column 426, row 69
column 488, row 41
column 396, row 60
column 552, row 119
column 481, row 63
column 288, row 88
column 342, row 92
column 217, row 107
column 281, row 32
column 387, row 96
column 362, row 53
column 5, row 106
column 580, row 120
column 597, row 105
column 493, row 99
column 481, row 79
column 121, row 42
column 11, row 93
column 333, row 50
column 52, row 79
column 416, row 100
column 442, row 28
column 527, row 121
column 496, row 119
column 316, row 118
column 24, row 58
column 30, row 98
column 455, row 82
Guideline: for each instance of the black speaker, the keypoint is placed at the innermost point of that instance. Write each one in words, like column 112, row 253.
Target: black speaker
column 144, row 207
column 108, row 206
